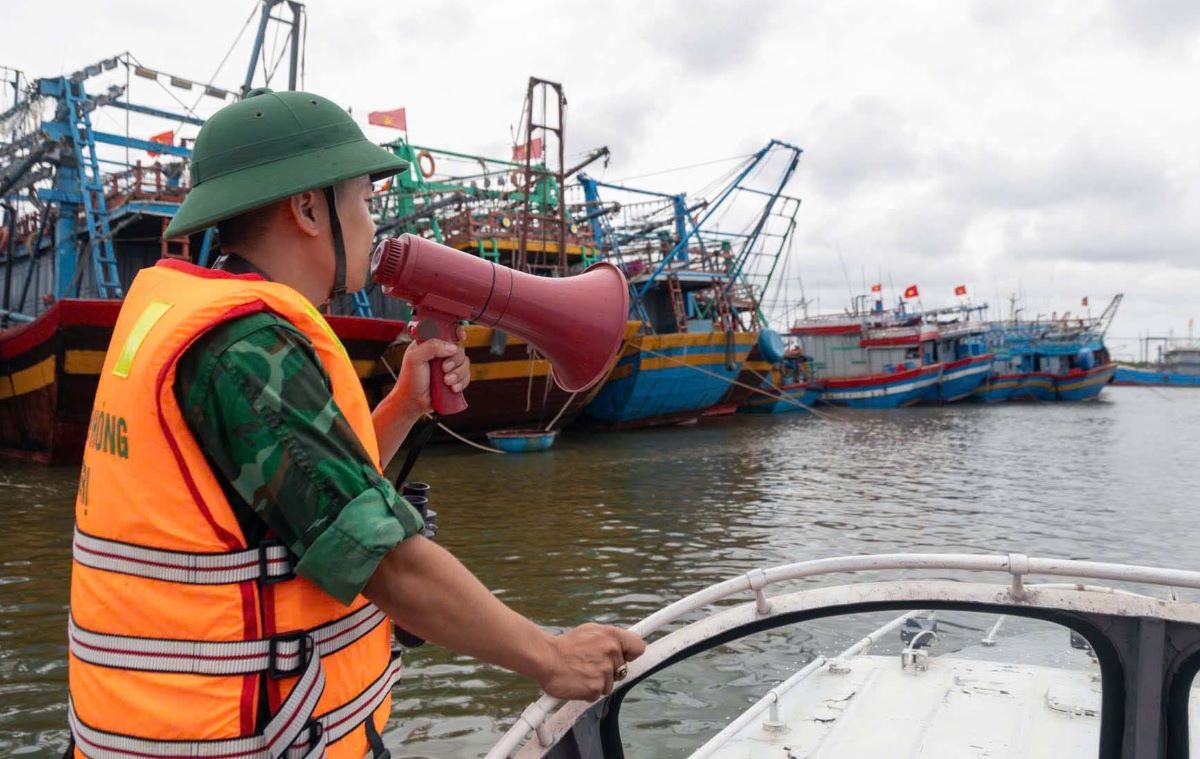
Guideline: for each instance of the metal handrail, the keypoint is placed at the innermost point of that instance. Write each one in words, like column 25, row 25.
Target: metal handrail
column 1016, row 565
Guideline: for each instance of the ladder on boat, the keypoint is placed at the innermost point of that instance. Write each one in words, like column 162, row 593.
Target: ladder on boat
column 723, row 320
column 362, row 304
column 677, row 304
column 95, row 207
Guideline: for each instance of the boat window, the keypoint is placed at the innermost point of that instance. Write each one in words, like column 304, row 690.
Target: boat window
column 891, row 683
column 1189, row 699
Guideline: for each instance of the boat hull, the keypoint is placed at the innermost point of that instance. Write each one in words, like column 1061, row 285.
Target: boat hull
column 802, row 393
column 754, row 373
column 997, row 388
column 49, row 370
column 1084, row 385
column 884, row 391
column 656, row 379
column 961, row 378
column 1126, row 375
column 1035, row 386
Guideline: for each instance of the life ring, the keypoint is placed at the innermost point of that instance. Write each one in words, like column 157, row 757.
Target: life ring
column 426, row 171
column 518, row 180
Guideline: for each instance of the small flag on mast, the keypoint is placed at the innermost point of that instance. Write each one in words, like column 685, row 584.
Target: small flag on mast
column 162, row 138
column 960, row 290
column 535, row 150
column 875, row 288
column 396, row 119
column 911, row 292
column 1084, row 301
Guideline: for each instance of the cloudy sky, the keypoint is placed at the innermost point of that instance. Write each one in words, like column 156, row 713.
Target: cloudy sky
column 1048, row 149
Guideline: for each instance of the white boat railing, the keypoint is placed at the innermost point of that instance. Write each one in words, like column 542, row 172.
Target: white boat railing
column 1017, row 566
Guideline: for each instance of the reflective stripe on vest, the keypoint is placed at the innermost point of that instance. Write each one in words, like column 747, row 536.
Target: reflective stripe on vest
column 212, row 623
column 267, row 563
column 326, row 728
column 279, row 656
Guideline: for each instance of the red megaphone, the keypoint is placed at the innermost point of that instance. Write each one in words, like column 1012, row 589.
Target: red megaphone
column 577, row 322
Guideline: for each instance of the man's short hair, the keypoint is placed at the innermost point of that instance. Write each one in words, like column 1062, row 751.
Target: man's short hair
column 244, row 229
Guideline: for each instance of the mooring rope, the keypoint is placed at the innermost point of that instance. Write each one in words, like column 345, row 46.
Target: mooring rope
column 442, row 427
column 561, row 411
column 471, row 443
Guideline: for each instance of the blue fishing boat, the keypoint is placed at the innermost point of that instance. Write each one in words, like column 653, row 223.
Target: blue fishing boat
column 1177, row 367
column 1061, row 359
column 695, row 287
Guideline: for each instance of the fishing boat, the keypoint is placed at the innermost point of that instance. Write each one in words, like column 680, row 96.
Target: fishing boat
column 871, row 358
column 695, row 286
column 1077, row 664
column 1060, row 359
column 86, row 210
column 1177, row 366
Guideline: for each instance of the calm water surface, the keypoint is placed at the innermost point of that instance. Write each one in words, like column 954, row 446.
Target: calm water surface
column 610, row 527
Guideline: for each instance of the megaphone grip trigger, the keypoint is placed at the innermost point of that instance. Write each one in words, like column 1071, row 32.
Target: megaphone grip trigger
column 429, row 326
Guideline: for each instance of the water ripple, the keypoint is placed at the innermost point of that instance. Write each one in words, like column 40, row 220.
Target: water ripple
column 611, row 527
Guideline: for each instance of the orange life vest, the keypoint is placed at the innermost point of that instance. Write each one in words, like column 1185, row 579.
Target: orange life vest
column 175, row 622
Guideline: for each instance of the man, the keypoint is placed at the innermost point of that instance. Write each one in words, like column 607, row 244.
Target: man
column 238, row 553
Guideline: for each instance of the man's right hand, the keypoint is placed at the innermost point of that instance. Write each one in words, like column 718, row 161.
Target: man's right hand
column 428, row 592
column 584, row 659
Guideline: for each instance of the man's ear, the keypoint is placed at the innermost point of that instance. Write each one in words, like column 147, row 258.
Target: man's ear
column 303, row 210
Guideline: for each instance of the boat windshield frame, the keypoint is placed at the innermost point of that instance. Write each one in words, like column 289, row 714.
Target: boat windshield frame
column 1120, row 625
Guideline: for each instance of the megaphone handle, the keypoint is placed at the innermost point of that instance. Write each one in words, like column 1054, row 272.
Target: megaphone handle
column 428, row 326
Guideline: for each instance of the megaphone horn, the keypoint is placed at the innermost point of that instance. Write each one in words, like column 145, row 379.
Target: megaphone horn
column 577, row 322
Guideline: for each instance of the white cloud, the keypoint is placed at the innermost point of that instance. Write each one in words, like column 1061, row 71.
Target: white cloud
column 1043, row 147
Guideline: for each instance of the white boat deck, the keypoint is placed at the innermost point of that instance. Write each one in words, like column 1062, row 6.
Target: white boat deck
column 870, row 706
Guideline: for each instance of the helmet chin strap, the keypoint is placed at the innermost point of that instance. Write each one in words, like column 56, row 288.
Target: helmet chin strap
column 339, row 247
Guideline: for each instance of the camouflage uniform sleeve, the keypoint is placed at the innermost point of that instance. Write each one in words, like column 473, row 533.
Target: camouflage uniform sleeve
column 259, row 402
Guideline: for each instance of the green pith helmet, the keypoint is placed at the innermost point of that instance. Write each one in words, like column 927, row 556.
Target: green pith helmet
column 269, row 146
